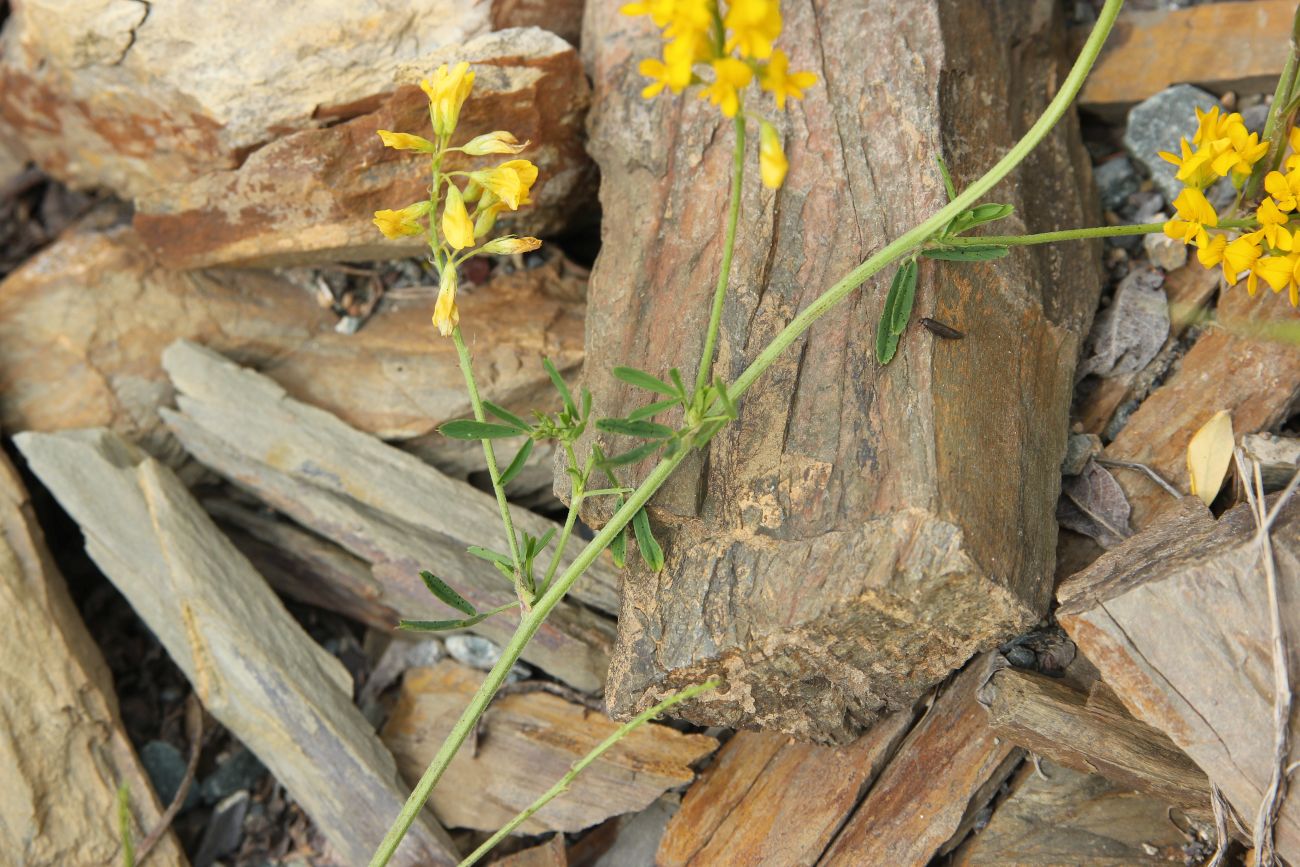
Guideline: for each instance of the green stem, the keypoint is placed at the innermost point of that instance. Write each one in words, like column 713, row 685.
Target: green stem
column 1283, row 94
column 564, row 782
column 1076, row 234
column 702, row 376
column 910, row 240
column 532, row 620
column 489, row 455
column 576, row 496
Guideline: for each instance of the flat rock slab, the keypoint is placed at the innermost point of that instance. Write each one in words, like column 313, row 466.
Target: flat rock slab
column 252, row 665
column 1176, row 620
column 528, row 741
column 311, row 196
column 860, row 531
column 383, row 505
column 83, row 326
column 63, row 751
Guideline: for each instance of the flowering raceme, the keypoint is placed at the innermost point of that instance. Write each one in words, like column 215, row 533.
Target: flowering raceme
column 459, row 233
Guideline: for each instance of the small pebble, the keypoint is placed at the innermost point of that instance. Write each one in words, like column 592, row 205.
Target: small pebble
column 1022, row 657
column 1079, row 449
column 478, row 652
column 1165, row 252
column 1116, row 181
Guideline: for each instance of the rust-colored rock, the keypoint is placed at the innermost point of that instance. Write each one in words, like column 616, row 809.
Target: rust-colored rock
column 311, row 196
column 860, row 531
column 83, row 325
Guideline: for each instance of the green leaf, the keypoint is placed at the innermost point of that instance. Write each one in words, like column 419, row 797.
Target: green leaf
column 947, row 178
column 903, row 292
column 507, row 416
column 651, row 553
column 618, row 548
column 439, row 588
column 468, row 429
column 516, row 465
column 643, row 429
column 441, row 625
column 721, row 388
column 886, row 339
column 492, row 557
column 676, row 376
column 653, row 409
column 968, row 254
column 563, row 389
column 989, row 212
column 639, row 453
column 641, row 379
column 586, row 402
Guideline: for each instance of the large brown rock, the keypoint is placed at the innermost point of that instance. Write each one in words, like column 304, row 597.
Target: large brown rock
column 311, row 196
column 860, row 531
column 133, row 95
column 83, row 326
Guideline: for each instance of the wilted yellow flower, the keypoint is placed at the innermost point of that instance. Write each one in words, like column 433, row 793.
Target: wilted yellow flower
column 509, row 244
column 1272, row 225
column 772, row 164
column 398, row 224
column 447, row 90
column 509, row 182
column 1194, row 167
column 752, row 27
column 1242, row 256
column 487, row 216
column 780, row 82
column 1284, row 188
column 1194, row 213
column 456, row 225
column 403, row 141
column 499, row 142
column 445, row 315
column 1212, row 253
column 731, row 75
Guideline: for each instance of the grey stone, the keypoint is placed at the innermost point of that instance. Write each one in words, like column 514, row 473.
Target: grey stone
column 1157, row 124
column 240, row 771
column 225, row 829
column 166, row 768
column 1165, row 252
column 1116, row 181
column 481, row 653
column 1255, row 116
column 1079, row 449
column 637, row 839
column 1128, row 334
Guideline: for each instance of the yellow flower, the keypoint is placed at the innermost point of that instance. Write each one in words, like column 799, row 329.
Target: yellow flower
column 456, row 225
column 675, row 71
column 1242, row 255
column 1272, row 225
column 730, row 75
column 1284, row 188
column 447, row 90
column 402, row 141
column 499, row 142
column 1237, row 152
column 753, row 26
column 1293, row 161
column 487, row 216
column 1194, row 167
column 508, row 245
column 1282, row 272
column 660, row 11
column 676, row 17
column 777, row 79
column 397, row 224
column 445, row 315
column 1212, row 253
column 1211, row 125
column 509, row 182
column 772, row 163
column 1194, row 213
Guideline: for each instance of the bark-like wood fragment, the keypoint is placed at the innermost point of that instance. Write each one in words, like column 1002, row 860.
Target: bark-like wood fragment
column 769, row 800
column 63, row 751
column 860, row 531
column 1177, row 621
column 530, row 740
column 382, row 504
column 1050, row 719
column 921, row 798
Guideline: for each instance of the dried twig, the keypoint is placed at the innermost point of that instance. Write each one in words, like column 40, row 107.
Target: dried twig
column 1134, row 465
column 194, row 733
column 1266, row 817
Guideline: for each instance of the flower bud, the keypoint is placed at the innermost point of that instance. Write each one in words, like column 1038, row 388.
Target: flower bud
column 447, row 90
column 509, row 244
column 772, row 163
column 445, row 315
column 397, row 224
column 403, row 141
column 499, row 142
column 456, row 225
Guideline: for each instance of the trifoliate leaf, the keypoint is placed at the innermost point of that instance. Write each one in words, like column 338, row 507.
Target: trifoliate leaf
column 444, row 593
column 507, row 416
column 639, row 453
column 1208, row 455
column 886, row 339
column 468, row 429
column 652, row 409
column 651, row 553
column 641, row 379
column 516, row 465
column 903, row 292
column 644, row 429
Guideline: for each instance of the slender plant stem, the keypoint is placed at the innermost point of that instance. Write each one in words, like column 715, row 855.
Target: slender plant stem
column 705, row 371
column 532, row 620
column 489, row 455
column 1283, row 95
column 579, row 766
column 576, row 496
column 1077, row 234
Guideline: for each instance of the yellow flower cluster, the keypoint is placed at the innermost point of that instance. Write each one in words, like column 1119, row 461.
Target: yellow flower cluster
column 733, row 48
column 460, row 232
column 1222, row 147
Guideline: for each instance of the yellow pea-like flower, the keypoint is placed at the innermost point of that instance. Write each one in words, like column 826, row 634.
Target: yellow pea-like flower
column 730, row 77
column 1285, row 189
column 1272, row 225
column 403, row 141
column 753, row 27
column 401, row 223
column 445, row 314
column 447, row 89
column 457, row 227
column 772, row 164
column 510, row 182
column 508, row 245
column 1242, row 256
column 777, row 79
column 1195, row 213
column 499, row 142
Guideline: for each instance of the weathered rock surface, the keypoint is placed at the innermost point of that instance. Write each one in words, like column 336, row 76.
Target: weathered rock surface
column 133, row 95
column 1150, row 50
column 63, row 751
column 1177, row 622
column 83, row 326
column 252, row 665
column 1157, row 124
column 528, row 741
column 383, row 505
column 861, row 531
column 311, row 196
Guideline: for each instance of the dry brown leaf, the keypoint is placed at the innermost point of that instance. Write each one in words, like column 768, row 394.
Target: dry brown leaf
column 1208, row 456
